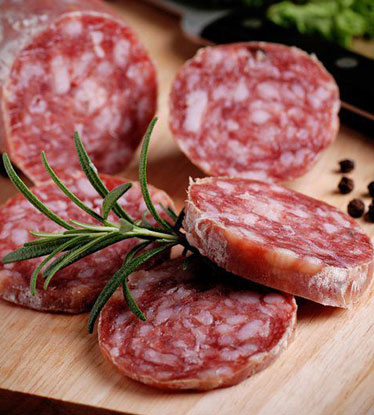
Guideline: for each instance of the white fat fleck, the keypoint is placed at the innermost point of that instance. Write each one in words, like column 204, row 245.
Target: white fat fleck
column 20, row 236
column 232, row 125
column 321, row 212
column 163, row 315
column 251, row 329
column 121, row 52
column 322, row 93
column 160, row 358
column 223, row 328
column 224, row 185
column 330, row 228
column 238, row 319
column 60, row 75
column 246, row 298
column 338, row 217
column 86, row 188
column 273, row 299
column 97, row 38
column 86, row 273
column 90, row 96
column 73, row 28
column 300, row 213
column 240, row 92
column 230, row 354
column 196, row 104
column 205, row 317
column 267, row 90
column 260, row 116
column 114, row 352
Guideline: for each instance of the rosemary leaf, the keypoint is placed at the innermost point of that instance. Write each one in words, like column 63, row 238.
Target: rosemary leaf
column 68, row 244
column 93, row 228
column 29, row 195
column 125, row 226
column 143, row 177
column 117, row 279
column 170, row 212
column 131, row 303
column 111, row 198
column 72, row 256
column 33, row 251
column 91, row 172
column 68, row 193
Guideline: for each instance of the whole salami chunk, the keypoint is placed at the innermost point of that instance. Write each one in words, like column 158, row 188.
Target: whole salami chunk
column 71, row 65
column 75, row 288
column 279, row 238
column 254, row 110
column 200, row 333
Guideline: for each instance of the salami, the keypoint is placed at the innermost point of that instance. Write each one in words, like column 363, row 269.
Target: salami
column 201, row 332
column 75, row 288
column 279, row 238
column 71, row 65
column 254, row 110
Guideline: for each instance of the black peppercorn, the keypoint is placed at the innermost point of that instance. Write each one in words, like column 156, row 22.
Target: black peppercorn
column 356, row 208
column 345, row 185
column 369, row 217
column 371, row 189
column 346, row 165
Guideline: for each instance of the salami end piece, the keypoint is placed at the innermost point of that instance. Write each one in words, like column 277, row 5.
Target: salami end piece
column 71, row 65
column 280, row 238
column 75, row 288
column 254, row 110
column 201, row 332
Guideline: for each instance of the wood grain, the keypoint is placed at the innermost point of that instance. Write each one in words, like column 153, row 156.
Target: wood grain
column 328, row 369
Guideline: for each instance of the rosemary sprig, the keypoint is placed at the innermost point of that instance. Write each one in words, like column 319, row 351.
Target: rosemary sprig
column 79, row 239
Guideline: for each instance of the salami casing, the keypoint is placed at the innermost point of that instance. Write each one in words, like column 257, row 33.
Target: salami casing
column 71, row 65
column 202, row 332
column 254, row 110
column 279, row 238
column 75, row 288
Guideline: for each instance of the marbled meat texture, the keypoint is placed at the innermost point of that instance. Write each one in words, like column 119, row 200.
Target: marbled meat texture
column 201, row 332
column 75, row 288
column 280, row 238
column 254, row 110
column 71, row 65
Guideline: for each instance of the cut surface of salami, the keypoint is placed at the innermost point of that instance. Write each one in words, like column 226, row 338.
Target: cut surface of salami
column 254, row 110
column 279, row 238
column 71, row 65
column 201, row 332
column 75, row 288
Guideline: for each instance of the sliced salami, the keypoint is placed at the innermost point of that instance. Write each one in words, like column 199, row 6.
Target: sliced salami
column 75, row 288
column 280, row 238
column 71, row 65
column 202, row 332
column 254, row 110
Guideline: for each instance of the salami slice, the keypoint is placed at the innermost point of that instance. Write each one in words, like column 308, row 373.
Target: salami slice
column 254, row 110
column 280, row 238
column 201, row 332
column 71, row 65
column 75, row 288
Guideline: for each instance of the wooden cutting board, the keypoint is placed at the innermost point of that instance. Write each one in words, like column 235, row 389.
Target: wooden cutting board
column 328, row 369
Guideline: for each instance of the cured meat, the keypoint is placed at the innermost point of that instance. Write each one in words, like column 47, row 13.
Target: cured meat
column 75, row 288
column 71, row 65
column 201, row 332
column 254, row 110
column 279, row 238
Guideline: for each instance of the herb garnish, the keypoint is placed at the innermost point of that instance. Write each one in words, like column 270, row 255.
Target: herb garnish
column 82, row 239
